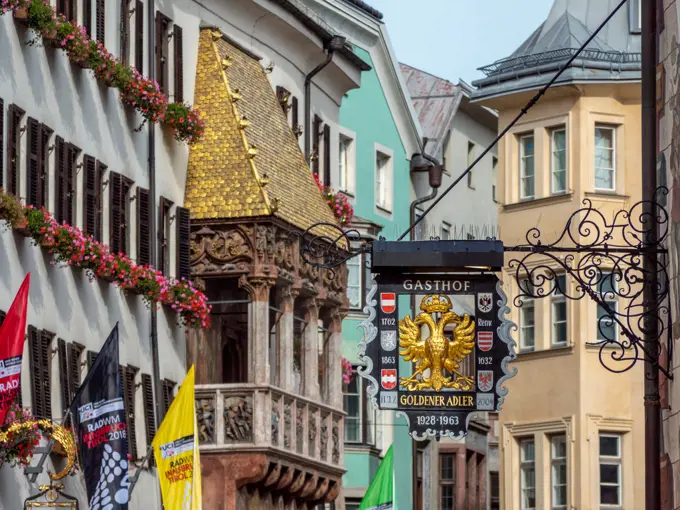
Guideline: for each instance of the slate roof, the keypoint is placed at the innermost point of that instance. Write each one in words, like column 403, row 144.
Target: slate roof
column 614, row 55
column 248, row 163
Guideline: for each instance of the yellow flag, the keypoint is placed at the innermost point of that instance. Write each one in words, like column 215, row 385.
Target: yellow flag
column 175, row 448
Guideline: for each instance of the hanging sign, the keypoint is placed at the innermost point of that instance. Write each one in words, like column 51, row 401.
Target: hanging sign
column 446, row 360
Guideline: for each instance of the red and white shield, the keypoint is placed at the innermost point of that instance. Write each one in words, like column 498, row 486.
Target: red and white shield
column 388, row 378
column 485, row 340
column 485, row 380
column 388, row 302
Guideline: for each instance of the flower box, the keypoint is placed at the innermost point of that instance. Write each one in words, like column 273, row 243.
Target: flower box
column 50, row 38
column 83, row 64
column 47, row 243
column 22, row 229
column 133, row 289
column 21, row 14
column 107, row 276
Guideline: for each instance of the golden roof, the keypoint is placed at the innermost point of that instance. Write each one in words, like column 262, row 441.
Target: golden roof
column 248, row 163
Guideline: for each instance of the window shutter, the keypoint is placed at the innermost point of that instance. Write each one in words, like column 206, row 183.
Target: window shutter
column 125, row 187
column 129, row 374
column 73, row 352
column 13, row 152
column 139, row 36
column 178, row 40
column 124, row 32
column 163, row 241
column 327, row 154
column 160, row 75
column 71, row 155
column 91, row 356
column 2, row 317
column 99, row 218
column 143, row 233
column 284, row 99
column 316, row 127
column 45, row 362
column 115, row 185
column 90, row 187
column 149, row 414
column 34, row 348
column 64, row 389
column 73, row 10
column 45, row 135
column 87, row 17
column 2, row 143
column 61, row 198
column 101, row 21
column 34, row 162
column 183, row 220
column 168, row 388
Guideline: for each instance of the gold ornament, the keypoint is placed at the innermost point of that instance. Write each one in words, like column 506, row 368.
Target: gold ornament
column 436, row 353
column 57, row 432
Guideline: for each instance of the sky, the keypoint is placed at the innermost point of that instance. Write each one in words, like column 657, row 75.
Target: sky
column 452, row 38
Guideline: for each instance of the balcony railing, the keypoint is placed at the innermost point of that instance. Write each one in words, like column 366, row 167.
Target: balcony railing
column 246, row 417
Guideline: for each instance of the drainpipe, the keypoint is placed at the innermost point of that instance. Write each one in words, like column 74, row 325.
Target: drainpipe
column 336, row 42
column 158, row 392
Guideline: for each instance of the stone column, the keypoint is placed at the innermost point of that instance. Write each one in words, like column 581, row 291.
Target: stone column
column 472, row 482
column 334, row 369
column 461, row 477
column 310, row 349
column 258, row 328
column 285, row 299
column 482, row 476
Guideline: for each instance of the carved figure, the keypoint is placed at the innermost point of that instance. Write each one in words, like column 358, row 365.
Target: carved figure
column 436, row 353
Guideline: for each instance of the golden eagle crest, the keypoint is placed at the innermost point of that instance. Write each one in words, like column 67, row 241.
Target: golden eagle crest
column 437, row 353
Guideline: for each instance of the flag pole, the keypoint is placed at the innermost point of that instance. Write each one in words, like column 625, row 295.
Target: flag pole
column 135, row 477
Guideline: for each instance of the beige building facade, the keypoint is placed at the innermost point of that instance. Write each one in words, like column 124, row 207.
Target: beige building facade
column 571, row 432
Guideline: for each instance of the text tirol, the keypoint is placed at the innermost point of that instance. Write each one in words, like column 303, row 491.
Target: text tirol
column 411, row 400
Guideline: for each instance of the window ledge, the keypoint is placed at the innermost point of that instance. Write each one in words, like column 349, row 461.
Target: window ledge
column 362, row 448
column 356, row 314
column 598, row 346
column 383, row 209
column 546, row 353
column 604, row 194
column 530, row 203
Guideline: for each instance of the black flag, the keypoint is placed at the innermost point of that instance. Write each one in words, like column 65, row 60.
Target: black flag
column 98, row 413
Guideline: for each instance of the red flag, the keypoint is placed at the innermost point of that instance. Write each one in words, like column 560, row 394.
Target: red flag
column 12, row 332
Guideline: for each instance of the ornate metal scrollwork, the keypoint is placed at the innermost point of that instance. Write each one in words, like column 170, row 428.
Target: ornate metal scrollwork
column 605, row 259
column 327, row 245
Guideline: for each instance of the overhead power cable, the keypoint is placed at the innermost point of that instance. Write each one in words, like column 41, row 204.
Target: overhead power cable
column 521, row 114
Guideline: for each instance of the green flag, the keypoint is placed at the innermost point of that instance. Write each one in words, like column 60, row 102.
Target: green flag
column 379, row 495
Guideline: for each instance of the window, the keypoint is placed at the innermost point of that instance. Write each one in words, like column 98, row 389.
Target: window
column 470, row 160
column 445, row 151
column 327, row 154
column 605, row 158
column 527, row 317
column 527, row 474
column 164, row 235
column 178, row 50
column 149, row 412
column 558, row 471
column 383, row 181
column 40, row 355
column 37, row 162
column 354, row 283
column 69, row 371
column 558, row 165
column 168, row 388
column 68, row 8
column 447, row 481
column 183, row 245
column 635, row 16
column 101, row 21
column 66, row 157
column 526, row 167
column 360, row 420
column 92, row 186
column 606, row 288
column 14, row 117
column 446, row 231
column 162, row 51
column 494, row 178
column 119, row 205
column 124, row 42
column 559, row 313
column 352, row 506
column 494, row 490
column 610, row 470
column 128, row 375
column 295, row 117
column 346, row 164
column 316, row 146
column 143, row 232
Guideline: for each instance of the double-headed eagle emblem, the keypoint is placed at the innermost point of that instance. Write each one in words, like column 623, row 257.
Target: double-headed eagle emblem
column 437, row 353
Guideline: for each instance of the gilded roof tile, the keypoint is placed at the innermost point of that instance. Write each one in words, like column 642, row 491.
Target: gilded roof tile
column 228, row 166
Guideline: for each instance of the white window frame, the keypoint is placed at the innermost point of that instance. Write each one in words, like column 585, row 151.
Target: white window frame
column 556, row 300
column 385, row 205
column 610, row 460
column 445, row 231
column 361, row 410
column 611, row 128
column 553, row 151
column 555, row 462
column 349, row 186
column 470, row 160
column 528, row 303
column 357, row 262
column 524, row 466
column 494, row 178
column 613, row 303
column 522, row 166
